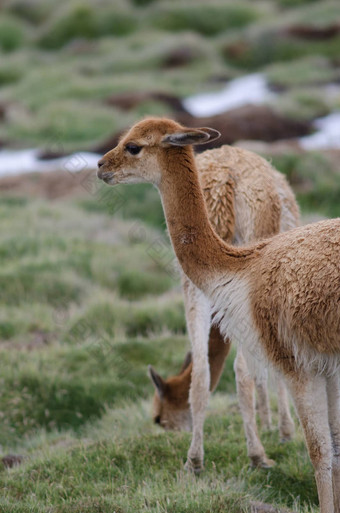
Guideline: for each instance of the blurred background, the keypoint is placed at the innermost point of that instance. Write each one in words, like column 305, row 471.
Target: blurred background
column 89, row 293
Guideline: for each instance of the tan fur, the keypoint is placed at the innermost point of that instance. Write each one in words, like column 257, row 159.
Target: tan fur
column 279, row 297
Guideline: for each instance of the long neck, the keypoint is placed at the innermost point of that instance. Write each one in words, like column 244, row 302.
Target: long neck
column 201, row 253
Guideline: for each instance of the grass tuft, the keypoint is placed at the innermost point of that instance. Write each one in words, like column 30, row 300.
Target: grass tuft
column 12, row 33
column 205, row 19
column 88, row 22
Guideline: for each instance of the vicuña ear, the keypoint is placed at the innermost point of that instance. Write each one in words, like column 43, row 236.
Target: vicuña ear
column 187, row 361
column 191, row 136
column 213, row 134
column 157, row 381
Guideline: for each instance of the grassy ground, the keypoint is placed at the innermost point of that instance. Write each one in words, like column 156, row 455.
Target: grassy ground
column 80, row 319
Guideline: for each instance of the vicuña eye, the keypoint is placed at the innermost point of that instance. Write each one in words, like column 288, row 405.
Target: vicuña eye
column 134, row 149
column 157, row 419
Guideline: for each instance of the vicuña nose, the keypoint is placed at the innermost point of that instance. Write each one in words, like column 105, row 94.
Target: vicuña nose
column 101, row 162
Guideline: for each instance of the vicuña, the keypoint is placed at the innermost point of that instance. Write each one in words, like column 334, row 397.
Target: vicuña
column 246, row 200
column 279, row 298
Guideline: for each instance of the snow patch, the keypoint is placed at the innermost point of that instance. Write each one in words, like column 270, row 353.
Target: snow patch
column 250, row 89
column 17, row 162
column 327, row 134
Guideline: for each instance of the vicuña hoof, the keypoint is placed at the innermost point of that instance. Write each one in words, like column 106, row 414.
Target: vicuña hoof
column 285, row 439
column 257, row 462
column 194, row 465
column 286, row 431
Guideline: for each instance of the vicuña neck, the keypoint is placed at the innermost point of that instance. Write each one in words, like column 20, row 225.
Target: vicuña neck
column 201, row 253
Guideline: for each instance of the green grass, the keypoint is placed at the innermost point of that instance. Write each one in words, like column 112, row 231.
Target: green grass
column 152, row 316
column 129, row 203
column 267, row 42
column 264, row 48
column 35, row 12
column 75, row 395
column 59, row 63
column 305, row 103
column 308, row 71
column 12, row 33
column 67, row 386
column 77, row 310
column 135, row 467
column 205, row 19
column 88, row 22
column 316, row 181
column 61, row 100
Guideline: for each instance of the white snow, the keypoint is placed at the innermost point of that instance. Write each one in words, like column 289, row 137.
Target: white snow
column 15, row 162
column 250, row 89
column 327, row 134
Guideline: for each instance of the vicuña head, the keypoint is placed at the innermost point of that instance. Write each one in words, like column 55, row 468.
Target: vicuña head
column 170, row 405
column 171, row 409
column 135, row 158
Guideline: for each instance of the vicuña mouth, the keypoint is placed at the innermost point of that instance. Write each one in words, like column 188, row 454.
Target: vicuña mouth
column 106, row 177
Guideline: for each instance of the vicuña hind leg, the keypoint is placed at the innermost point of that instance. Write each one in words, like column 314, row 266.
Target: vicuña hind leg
column 246, row 397
column 198, row 318
column 286, row 423
column 310, row 397
column 333, row 394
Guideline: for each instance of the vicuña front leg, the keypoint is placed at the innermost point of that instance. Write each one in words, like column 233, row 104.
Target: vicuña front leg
column 246, row 397
column 310, row 397
column 333, row 394
column 198, row 318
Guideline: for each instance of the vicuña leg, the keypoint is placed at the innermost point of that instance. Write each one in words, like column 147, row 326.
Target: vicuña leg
column 246, row 397
column 286, row 423
column 263, row 405
column 310, row 397
column 333, row 394
column 198, row 316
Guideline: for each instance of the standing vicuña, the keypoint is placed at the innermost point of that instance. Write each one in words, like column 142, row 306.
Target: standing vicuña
column 279, row 297
column 246, row 200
